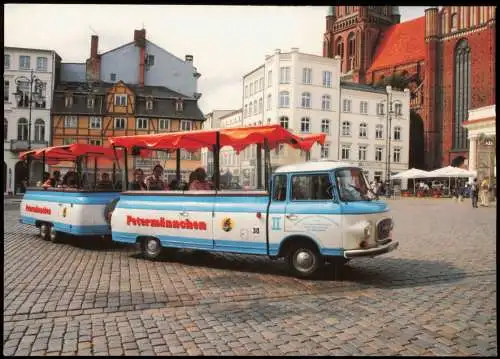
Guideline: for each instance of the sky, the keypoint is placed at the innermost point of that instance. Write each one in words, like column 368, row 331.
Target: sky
column 226, row 41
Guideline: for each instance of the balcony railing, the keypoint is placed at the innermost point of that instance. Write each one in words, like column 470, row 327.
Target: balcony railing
column 22, row 145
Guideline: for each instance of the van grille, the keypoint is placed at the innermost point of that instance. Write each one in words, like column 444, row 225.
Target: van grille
column 384, row 229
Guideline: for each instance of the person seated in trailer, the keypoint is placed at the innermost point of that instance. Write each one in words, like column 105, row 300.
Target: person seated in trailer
column 53, row 181
column 138, row 184
column 200, row 182
column 70, row 180
column 105, row 183
column 155, row 182
column 46, row 176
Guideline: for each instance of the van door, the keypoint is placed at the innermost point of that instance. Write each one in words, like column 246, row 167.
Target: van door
column 277, row 208
column 313, row 211
column 196, row 218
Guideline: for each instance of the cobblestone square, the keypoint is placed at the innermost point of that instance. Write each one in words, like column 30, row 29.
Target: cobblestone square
column 434, row 295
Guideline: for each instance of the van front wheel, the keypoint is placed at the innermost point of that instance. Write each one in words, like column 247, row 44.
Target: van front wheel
column 304, row 261
column 151, row 248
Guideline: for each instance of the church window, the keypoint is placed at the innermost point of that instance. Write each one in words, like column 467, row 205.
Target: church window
column 454, row 22
column 463, row 94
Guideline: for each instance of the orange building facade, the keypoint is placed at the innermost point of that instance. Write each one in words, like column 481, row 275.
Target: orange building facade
column 92, row 112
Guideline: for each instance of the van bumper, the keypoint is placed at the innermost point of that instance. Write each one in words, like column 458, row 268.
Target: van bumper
column 371, row 252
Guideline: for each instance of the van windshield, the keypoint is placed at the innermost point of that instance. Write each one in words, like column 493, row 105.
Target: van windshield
column 352, row 185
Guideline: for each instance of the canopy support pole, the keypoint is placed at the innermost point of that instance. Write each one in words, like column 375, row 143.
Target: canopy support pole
column 43, row 163
column 178, row 165
column 125, row 168
column 95, row 173
column 259, row 166
column 79, row 171
column 217, row 160
column 267, row 164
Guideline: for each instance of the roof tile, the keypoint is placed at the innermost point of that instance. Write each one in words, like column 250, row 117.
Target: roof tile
column 400, row 44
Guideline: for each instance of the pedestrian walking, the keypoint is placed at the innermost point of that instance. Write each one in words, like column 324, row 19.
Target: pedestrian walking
column 484, row 192
column 474, row 193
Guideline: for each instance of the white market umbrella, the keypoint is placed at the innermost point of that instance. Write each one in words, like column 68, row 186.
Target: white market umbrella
column 410, row 174
column 451, row 172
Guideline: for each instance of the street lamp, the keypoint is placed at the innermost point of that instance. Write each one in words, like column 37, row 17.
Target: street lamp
column 388, row 90
column 35, row 95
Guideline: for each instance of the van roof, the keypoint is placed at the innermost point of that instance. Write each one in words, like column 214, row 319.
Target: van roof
column 313, row 166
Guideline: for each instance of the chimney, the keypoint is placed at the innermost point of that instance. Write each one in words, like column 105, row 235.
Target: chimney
column 295, row 49
column 94, row 44
column 189, row 58
column 277, row 51
column 140, row 41
column 139, row 36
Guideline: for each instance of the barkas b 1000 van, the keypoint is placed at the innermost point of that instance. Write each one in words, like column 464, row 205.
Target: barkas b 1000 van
column 314, row 212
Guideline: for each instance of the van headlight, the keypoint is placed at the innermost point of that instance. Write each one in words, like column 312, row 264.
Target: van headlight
column 367, row 231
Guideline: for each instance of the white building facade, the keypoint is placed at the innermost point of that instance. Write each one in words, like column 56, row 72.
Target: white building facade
column 230, row 164
column 369, row 135
column 18, row 135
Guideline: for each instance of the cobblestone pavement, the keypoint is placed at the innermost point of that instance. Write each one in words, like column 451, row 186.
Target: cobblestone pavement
column 435, row 295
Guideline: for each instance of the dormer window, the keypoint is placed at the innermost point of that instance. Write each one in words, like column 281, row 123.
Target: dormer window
column 120, row 100
column 68, row 100
column 179, row 106
column 90, row 102
column 149, row 104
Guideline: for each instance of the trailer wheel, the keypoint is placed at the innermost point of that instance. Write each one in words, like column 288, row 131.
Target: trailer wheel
column 54, row 236
column 151, row 248
column 45, row 231
column 304, row 260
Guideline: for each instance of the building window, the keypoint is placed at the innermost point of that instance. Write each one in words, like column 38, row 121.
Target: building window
column 396, row 156
column 186, row 125
column 346, row 128
column 306, row 100
column 346, row 152
column 68, row 100
column 69, row 141
column 268, row 121
column 245, row 113
column 327, row 79
column 261, row 83
column 255, row 88
column 269, row 78
column 6, row 86
column 454, row 22
column 284, row 99
column 5, row 128
column 179, row 106
column 284, row 75
column 255, row 107
column 305, row 124
column 43, row 91
column 261, row 105
column 185, row 155
column 150, row 60
column 380, row 109
column 325, row 103
column 269, row 99
column 284, row 122
column 95, row 122
column 362, row 152
column 397, row 133
column 251, row 89
column 120, row 123
column 307, row 76
column 142, row 124
column 41, row 64
column 246, row 91
column 250, row 109
column 346, row 105
column 398, row 109
column 22, row 129
column 120, row 100
column 24, row 62
column 363, row 130
column 325, row 126
column 378, row 154
column 90, row 102
column 363, row 107
column 164, row 124
column 351, row 50
column 379, row 132
column 70, row 122
column 6, row 61
column 325, row 151
column 463, row 94
column 95, row 142
column 149, row 105
column 112, row 76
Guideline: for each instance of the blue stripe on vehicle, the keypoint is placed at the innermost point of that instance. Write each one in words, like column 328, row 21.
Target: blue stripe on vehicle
column 71, row 197
column 215, row 246
column 89, row 230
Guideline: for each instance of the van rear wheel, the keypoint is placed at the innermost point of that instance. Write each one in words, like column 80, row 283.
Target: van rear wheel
column 54, row 236
column 151, row 248
column 304, row 260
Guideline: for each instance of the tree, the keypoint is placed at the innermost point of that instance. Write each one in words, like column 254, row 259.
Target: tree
column 396, row 80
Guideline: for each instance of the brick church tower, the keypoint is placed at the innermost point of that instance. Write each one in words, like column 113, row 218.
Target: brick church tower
column 447, row 57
